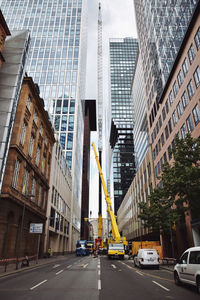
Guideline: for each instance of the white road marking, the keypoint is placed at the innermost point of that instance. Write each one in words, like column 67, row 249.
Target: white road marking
column 69, row 266
column 59, row 272
column 38, row 284
column 99, row 272
column 114, row 266
column 98, row 267
column 55, row 266
column 84, row 266
column 99, row 284
column 161, row 286
column 139, row 273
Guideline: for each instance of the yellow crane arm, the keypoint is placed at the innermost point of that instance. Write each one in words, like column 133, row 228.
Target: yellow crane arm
column 115, row 230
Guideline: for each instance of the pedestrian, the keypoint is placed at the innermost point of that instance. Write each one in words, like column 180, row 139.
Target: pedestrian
column 49, row 252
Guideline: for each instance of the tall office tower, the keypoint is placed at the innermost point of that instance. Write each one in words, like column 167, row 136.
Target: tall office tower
column 57, row 62
column 123, row 53
column 161, row 26
column 140, row 128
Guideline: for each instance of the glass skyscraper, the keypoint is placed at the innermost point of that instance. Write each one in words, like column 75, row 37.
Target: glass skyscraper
column 57, row 63
column 161, row 26
column 123, row 53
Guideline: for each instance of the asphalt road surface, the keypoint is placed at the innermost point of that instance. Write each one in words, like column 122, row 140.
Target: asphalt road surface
column 89, row 278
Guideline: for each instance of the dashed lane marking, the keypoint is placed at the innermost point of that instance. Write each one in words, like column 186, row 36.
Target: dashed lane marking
column 55, row 266
column 69, row 266
column 161, row 286
column 59, row 272
column 114, row 266
column 139, row 273
column 99, row 284
column 33, row 287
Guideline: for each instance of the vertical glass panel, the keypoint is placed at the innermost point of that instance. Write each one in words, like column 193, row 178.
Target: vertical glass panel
column 64, row 123
column 58, row 106
column 69, row 158
column 70, row 141
column 72, row 107
column 63, row 139
column 71, row 123
column 65, row 107
column 57, row 122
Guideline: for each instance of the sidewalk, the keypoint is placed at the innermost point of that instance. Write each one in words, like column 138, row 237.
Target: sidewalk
column 10, row 268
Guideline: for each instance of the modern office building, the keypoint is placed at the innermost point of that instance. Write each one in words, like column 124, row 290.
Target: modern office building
column 57, row 62
column 123, row 53
column 161, row 26
column 140, row 127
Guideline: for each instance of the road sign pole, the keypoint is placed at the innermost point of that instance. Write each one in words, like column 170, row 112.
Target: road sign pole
column 38, row 248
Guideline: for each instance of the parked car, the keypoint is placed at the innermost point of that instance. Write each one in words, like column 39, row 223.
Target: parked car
column 147, row 258
column 187, row 269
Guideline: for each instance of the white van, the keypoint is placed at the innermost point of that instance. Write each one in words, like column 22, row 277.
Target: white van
column 147, row 258
column 187, row 270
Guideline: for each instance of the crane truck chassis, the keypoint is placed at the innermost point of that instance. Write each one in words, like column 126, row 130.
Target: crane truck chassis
column 116, row 246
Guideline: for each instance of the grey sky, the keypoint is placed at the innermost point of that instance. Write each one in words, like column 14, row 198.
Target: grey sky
column 118, row 22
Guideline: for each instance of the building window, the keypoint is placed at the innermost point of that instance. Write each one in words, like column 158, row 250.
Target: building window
column 160, row 121
column 30, row 147
column 196, row 114
column 191, row 54
column 183, row 131
column 190, row 124
column 190, row 89
column 33, row 189
column 43, row 164
column 165, row 158
column 196, row 76
column 35, row 117
column 184, row 99
column 179, row 109
column 16, row 174
column 170, row 125
column 39, row 195
column 180, row 78
column 166, row 132
column 197, row 39
column 171, row 98
column 163, row 113
column 28, row 102
column 162, row 139
column 25, row 184
column 37, row 157
column 185, row 67
column 23, row 133
column 169, row 150
column 175, row 119
column 175, row 89
column 167, row 106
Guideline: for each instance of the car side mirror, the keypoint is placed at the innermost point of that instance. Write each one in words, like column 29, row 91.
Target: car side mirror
column 178, row 261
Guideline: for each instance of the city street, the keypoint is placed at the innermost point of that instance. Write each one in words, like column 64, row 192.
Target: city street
column 92, row 278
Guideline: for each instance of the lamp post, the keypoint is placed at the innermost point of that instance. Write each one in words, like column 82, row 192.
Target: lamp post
column 21, row 231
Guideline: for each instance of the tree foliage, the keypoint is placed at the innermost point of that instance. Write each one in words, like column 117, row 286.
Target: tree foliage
column 179, row 189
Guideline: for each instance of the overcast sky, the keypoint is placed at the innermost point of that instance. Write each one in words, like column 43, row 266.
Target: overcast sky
column 118, row 22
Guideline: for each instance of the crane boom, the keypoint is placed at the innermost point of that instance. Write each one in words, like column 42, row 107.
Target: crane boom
column 115, row 231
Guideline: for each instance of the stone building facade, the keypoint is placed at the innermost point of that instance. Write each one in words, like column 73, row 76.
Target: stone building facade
column 26, row 180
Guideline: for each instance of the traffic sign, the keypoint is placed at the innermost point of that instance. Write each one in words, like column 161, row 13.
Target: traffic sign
column 36, row 228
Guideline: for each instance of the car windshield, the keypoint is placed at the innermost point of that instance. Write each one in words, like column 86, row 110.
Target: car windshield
column 116, row 246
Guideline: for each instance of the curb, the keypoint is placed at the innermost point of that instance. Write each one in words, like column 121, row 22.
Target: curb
column 167, row 268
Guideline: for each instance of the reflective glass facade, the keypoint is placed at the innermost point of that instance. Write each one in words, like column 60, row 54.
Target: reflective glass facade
column 161, row 26
column 57, row 62
column 123, row 53
column 140, row 128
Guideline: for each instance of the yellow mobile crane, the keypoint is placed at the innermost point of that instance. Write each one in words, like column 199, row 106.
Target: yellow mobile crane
column 116, row 246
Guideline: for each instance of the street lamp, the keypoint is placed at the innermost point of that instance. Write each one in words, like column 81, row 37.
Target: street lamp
column 21, row 230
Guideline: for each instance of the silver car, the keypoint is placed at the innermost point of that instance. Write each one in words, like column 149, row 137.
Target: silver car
column 187, row 270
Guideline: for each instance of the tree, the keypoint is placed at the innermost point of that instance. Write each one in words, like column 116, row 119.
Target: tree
column 179, row 187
